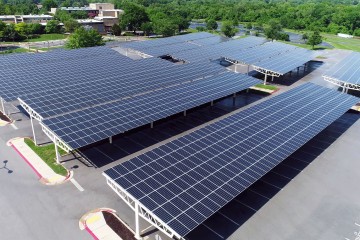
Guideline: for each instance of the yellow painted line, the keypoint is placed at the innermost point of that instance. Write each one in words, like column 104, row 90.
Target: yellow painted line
column 92, row 219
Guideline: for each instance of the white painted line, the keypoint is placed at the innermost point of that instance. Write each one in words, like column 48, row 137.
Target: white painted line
column 13, row 126
column 357, row 224
column 77, row 185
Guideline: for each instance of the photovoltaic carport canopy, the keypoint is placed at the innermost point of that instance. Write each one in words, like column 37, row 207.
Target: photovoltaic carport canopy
column 58, row 55
column 91, row 125
column 347, row 71
column 86, row 94
column 286, row 62
column 31, row 79
column 185, row 181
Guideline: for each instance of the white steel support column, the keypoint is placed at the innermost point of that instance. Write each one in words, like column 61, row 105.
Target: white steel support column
column 236, row 67
column 152, row 125
column 137, row 225
column 185, row 113
column 57, row 152
column 272, row 78
column 248, row 69
column 33, row 129
column 297, row 70
column 110, row 140
column 265, row 79
column 212, row 103
column 2, row 106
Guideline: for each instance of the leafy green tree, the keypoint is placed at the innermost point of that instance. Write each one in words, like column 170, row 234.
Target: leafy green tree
column 147, row 27
column 79, row 15
column 228, row 29
column 165, row 27
column 134, row 16
column 116, row 29
column 200, row 29
column 273, row 30
column 2, row 28
column 23, row 29
column 84, row 38
column 10, row 32
column 52, row 26
column 48, row 4
column 181, row 23
column 305, row 37
column 211, row 24
column 249, row 25
column 71, row 25
column 356, row 32
column 314, row 39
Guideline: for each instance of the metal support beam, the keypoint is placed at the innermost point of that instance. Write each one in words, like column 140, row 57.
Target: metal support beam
column 57, row 152
column 234, row 98
column 212, row 103
column 248, row 69
column 137, row 225
column 110, row 140
column 2, row 106
column 236, row 67
column 33, row 129
column 152, row 125
column 185, row 113
column 265, row 79
column 297, row 70
column 272, row 78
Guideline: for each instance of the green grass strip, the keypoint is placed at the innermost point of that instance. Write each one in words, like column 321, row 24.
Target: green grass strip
column 48, row 155
column 268, row 87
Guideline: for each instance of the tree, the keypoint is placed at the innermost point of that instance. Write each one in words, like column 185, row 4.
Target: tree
column 134, row 16
column 249, row 25
column 52, row 26
column 84, row 38
column 116, row 29
column 147, row 27
column 48, row 4
column 23, row 29
column 211, row 24
column 165, row 27
column 356, row 32
column 181, row 23
column 314, row 39
column 305, row 37
column 71, row 25
column 228, row 29
column 200, row 29
column 10, row 32
column 2, row 29
column 274, row 30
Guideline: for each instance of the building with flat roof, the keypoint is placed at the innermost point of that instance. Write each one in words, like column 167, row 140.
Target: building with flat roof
column 26, row 18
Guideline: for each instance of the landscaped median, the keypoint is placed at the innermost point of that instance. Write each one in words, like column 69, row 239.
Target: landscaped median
column 265, row 88
column 42, row 160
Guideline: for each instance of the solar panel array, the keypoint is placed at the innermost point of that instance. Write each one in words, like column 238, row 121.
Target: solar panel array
column 166, row 49
column 29, row 79
column 27, row 59
column 348, row 70
column 287, row 61
column 91, row 125
column 69, row 98
column 216, row 51
column 187, row 180
column 143, row 45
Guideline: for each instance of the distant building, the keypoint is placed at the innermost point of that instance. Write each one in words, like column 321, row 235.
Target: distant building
column 42, row 19
column 343, row 35
column 92, row 23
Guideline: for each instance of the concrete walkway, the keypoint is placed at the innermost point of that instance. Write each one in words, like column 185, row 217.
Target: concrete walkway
column 94, row 222
column 44, row 172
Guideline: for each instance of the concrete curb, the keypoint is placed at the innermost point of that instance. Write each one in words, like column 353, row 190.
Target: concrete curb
column 42, row 179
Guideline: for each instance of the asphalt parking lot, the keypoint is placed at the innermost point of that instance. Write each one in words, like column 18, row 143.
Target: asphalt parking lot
column 311, row 195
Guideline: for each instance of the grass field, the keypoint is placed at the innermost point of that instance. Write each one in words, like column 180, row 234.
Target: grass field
column 48, row 37
column 268, row 87
column 47, row 153
column 17, row 50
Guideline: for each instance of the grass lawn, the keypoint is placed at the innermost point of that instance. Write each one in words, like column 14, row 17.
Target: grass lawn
column 305, row 45
column 47, row 153
column 268, row 87
column 48, row 37
column 17, row 50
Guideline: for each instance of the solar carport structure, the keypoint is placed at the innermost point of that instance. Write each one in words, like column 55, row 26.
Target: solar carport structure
column 177, row 186
column 346, row 74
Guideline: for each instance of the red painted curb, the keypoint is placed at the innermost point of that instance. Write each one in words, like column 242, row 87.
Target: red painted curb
column 27, row 161
column 91, row 233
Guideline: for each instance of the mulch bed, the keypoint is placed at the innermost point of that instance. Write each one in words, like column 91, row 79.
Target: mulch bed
column 3, row 117
column 118, row 227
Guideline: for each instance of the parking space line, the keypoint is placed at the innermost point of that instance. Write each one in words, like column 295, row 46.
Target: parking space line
column 76, row 184
column 236, row 200
column 228, row 218
column 212, row 230
column 14, row 127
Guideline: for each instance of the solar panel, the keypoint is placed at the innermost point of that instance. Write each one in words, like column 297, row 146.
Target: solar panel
column 286, row 62
column 70, row 98
column 188, row 179
column 87, row 126
column 31, row 79
column 164, row 50
column 348, row 70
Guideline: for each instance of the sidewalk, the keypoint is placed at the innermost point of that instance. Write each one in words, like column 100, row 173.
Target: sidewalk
column 44, row 172
column 95, row 224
